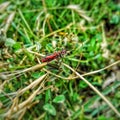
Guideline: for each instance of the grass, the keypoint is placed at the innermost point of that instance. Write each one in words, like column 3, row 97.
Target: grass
column 82, row 85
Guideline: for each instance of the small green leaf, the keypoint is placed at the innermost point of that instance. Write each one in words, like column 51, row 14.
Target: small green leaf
column 49, row 48
column 47, row 95
column 30, row 56
column 50, row 109
column 75, row 96
column 117, row 95
column 59, row 99
column 17, row 46
column 36, row 75
column 115, row 19
column 82, row 84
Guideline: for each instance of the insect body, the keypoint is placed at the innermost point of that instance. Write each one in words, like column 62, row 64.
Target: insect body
column 54, row 56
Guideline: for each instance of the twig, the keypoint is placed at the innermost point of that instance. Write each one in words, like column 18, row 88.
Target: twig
column 32, row 85
column 9, row 21
column 52, row 33
column 38, row 66
column 86, row 74
column 92, row 87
